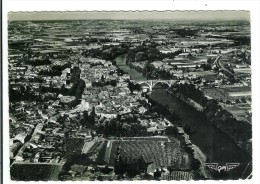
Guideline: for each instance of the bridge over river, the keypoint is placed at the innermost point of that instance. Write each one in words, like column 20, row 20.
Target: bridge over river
column 152, row 83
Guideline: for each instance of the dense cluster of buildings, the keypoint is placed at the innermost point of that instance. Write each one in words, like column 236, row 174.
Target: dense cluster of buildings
column 44, row 119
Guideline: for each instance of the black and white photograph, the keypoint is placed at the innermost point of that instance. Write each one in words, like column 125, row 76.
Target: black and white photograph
column 130, row 95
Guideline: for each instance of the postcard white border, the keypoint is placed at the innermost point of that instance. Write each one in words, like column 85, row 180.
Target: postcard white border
column 160, row 5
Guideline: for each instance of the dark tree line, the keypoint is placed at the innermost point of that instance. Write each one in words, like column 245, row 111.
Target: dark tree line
column 107, row 52
column 121, row 128
column 44, row 61
column 239, row 131
column 104, row 83
column 56, row 70
column 88, row 120
column 163, row 110
column 23, row 94
column 50, row 73
column 49, row 89
column 238, row 40
column 148, row 53
column 77, row 89
column 75, row 74
column 190, row 91
column 133, row 86
column 130, row 167
column 186, row 32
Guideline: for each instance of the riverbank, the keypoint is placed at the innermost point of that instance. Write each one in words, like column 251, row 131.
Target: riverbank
column 189, row 101
column 197, row 154
column 134, row 75
column 245, row 146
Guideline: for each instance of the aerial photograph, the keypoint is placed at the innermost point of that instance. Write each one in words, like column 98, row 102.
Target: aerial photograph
column 115, row 96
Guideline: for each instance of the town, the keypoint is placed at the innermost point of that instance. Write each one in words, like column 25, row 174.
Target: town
column 82, row 105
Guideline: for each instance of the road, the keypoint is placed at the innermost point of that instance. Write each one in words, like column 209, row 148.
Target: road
column 220, row 65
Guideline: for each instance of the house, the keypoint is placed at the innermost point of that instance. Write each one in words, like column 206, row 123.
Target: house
column 22, row 137
column 142, row 109
column 46, row 156
column 184, row 55
column 107, row 115
column 15, row 148
column 77, row 169
column 19, row 158
column 242, row 66
column 36, row 157
column 134, row 104
column 157, row 64
column 84, row 133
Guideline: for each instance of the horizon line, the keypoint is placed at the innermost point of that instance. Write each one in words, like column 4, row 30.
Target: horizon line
column 186, row 15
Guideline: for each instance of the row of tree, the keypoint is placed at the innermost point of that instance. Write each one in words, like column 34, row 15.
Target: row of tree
column 239, row 131
column 129, row 166
column 107, row 52
column 36, row 62
column 22, row 94
column 163, row 110
column 121, row 128
column 132, row 87
column 104, row 83
column 88, row 119
column 148, row 53
column 55, row 70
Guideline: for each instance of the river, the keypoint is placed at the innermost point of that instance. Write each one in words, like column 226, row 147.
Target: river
column 216, row 145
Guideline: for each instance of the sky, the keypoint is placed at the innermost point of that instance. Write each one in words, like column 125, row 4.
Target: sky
column 144, row 15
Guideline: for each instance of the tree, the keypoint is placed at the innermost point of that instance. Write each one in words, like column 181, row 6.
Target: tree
column 102, row 78
column 84, row 121
column 171, row 131
column 131, row 86
column 142, row 164
column 170, row 169
column 92, row 116
column 195, row 164
column 63, row 90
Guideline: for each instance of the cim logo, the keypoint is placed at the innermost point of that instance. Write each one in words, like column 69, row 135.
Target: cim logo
column 217, row 167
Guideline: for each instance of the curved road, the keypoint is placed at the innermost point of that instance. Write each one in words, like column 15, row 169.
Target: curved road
column 220, row 65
